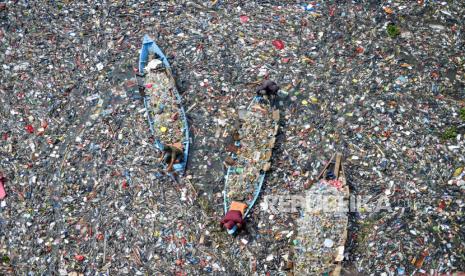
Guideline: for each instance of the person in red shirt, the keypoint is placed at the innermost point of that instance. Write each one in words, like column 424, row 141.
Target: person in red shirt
column 2, row 189
column 232, row 219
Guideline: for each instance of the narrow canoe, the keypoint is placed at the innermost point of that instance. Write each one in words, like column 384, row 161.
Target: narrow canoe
column 320, row 250
column 253, row 148
column 165, row 113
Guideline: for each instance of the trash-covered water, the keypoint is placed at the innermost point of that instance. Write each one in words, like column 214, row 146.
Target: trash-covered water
column 383, row 82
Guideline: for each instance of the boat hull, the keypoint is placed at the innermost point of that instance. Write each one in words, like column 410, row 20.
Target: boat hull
column 172, row 100
column 320, row 249
column 244, row 180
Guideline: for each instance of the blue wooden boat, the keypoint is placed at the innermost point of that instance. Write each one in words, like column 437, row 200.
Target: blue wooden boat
column 244, row 180
column 165, row 114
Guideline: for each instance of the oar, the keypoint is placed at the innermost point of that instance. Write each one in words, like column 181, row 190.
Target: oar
column 326, row 166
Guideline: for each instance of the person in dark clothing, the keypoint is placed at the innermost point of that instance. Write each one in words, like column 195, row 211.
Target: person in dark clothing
column 171, row 154
column 140, row 84
column 268, row 88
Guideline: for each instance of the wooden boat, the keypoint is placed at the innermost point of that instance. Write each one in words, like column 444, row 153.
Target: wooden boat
column 320, row 250
column 254, row 143
column 165, row 113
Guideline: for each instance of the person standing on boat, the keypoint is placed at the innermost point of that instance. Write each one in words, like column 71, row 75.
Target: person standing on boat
column 171, row 155
column 268, row 88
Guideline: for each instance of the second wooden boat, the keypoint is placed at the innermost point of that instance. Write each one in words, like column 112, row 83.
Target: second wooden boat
column 254, row 142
